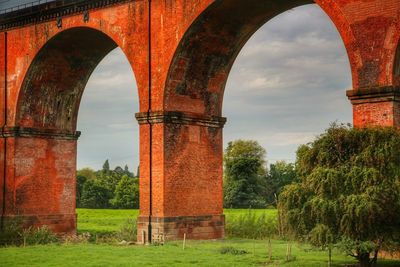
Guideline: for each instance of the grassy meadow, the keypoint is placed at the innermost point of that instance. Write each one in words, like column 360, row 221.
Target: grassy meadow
column 231, row 251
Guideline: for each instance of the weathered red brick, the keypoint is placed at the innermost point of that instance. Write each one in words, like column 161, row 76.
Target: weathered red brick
column 192, row 47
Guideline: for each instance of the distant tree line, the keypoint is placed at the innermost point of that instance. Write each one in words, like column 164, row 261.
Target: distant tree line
column 106, row 188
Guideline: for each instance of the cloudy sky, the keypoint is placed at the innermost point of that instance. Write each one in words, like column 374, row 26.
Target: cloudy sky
column 286, row 86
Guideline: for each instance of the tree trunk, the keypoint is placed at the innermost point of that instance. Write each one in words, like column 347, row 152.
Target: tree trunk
column 330, row 256
column 363, row 260
column 375, row 259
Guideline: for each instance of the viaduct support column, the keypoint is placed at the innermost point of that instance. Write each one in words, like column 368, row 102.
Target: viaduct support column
column 181, row 188
column 376, row 106
column 40, row 179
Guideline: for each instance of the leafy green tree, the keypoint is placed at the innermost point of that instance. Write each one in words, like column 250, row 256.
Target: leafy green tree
column 348, row 192
column 127, row 172
column 110, row 179
column 80, row 181
column 126, row 193
column 94, row 195
column 119, row 170
column 106, row 167
column 105, row 181
column 88, row 173
column 244, row 180
column 279, row 175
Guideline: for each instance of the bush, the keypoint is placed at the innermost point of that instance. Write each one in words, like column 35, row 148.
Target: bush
column 38, row 236
column 232, row 250
column 128, row 231
column 11, row 232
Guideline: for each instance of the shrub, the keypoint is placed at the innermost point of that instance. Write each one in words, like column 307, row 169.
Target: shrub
column 232, row 250
column 10, row 234
column 38, row 236
column 128, row 231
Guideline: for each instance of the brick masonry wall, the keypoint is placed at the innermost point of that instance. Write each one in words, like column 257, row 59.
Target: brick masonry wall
column 185, row 50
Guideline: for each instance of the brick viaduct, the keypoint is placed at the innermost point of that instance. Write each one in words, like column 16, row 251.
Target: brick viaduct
column 181, row 52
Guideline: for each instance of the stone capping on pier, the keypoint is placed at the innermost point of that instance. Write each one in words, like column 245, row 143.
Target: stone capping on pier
column 177, row 117
column 38, row 133
column 374, row 94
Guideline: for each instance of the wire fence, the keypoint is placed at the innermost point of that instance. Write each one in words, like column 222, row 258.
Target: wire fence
column 24, row 6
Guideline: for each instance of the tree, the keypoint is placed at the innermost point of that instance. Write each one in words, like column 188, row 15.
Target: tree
column 126, row 193
column 80, row 181
column 127, row 172
column 106, row 167
column 119, row 170
column 244, row 180
column 94, row 195
column 279, row 175
column 348, row 192
column 88, row 173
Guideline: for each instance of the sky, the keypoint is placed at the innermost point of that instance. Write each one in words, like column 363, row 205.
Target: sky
column 287, row 85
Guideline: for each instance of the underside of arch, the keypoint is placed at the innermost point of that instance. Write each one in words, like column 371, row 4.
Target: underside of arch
column 396, row 69
column 52, row 89
column 201, row 64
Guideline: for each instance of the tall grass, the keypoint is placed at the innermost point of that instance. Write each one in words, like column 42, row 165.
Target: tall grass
column 252, row 225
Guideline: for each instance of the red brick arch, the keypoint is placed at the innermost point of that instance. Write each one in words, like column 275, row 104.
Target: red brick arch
column 46, row 112
column 181, row 52
column 396, row 66
column 394, row 54
column 206, row 53
column 45, row 68
column 50, row 94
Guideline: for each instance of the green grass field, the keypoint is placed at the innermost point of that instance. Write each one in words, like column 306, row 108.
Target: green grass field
column 109, row 221
column 103, row 221
column 196, row 253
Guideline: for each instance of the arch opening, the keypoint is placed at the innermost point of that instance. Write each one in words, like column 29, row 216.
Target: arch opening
column 54, row 83
column 289, row 81
column 46, row 115
column 200, row 67
column 195, row 86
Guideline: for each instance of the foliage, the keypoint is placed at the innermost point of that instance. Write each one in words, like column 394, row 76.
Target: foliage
column 38, row 236
column 88, row 173
column 232, row 250
column 10, row 234
column 244, row 181
column 126, row 193
column 95, row 195
column 349, row 191
column 80, row 181
column 128, row 231
column 13, row 233
column 106, row 167
column 279, row 175
column 98, row 189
